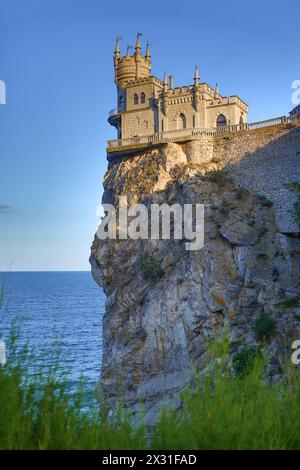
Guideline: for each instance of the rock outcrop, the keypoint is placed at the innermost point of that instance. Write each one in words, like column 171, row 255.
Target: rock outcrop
column 156, row 327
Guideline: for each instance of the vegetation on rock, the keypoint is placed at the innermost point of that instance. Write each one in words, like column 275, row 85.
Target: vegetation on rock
column 150, row 267
column 264, row 328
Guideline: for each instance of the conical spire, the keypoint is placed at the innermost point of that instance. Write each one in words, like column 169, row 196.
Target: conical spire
column 128, row 53
column 117, row 55
column 138, row 43
column 196, row 76
column 117, row 49
column 165, row 82
column 147, row 55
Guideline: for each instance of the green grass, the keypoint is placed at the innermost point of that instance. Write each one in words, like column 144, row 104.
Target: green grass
column 223, row 411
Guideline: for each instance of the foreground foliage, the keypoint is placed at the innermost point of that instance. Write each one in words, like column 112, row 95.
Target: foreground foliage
column 223, row 411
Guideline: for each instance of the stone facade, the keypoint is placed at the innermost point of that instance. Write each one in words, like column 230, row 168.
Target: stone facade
column 147, row 105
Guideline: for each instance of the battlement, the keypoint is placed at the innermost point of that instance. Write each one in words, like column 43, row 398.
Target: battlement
column 143, row 80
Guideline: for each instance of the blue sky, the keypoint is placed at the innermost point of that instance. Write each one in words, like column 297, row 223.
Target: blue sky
column 56, row 61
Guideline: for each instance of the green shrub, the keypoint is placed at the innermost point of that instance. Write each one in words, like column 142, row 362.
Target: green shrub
column 240, row 194
column 275, row 273
column 218, row 176
column 243, row 361
column 265, row 201
column 281, row 293
column 221, row 412
column 264, row 327
column 150, row 267
column 288, row 303
column 261, row 255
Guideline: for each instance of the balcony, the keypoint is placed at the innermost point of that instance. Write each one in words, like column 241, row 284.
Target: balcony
column 181, row 135
column 113, row 112
column 114, row 117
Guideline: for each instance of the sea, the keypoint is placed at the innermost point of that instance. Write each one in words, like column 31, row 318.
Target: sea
column 57, row 315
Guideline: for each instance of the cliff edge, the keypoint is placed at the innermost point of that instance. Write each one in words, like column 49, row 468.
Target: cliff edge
column 163, row 302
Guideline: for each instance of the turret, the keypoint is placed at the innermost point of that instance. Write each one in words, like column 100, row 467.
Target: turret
column 217, row 94
column 131, row 67
column 196, row 89
column 165, row 83
column 117, row 50
column 147, row 55
column 117, row 57
column 196, row 77
column 138, row 45
column 138, row 56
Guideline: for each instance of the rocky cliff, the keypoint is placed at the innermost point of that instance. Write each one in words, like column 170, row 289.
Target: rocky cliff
column 163, row 302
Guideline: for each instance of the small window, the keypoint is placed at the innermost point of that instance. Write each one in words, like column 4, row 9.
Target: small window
column 136, row 98
column 143, row 97
column 221, row 120
column 241, row 120
column 182, row 121
column 194, row 120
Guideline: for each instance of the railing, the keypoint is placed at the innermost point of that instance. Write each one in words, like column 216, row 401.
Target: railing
column 269, row 122
column 169, row 136
column 113, row 112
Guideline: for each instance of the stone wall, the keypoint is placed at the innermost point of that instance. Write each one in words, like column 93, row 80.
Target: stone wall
column 139, row 122
column 262, row 161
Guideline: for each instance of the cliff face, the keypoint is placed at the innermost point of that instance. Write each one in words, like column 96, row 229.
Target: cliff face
column 156, row 326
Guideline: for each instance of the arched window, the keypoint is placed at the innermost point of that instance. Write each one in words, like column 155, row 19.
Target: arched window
column 182, row 121
column 121, row 102
column 241, row 120
column 136, row 98
column 221, row 120
column 143, row 97
column 194, row 120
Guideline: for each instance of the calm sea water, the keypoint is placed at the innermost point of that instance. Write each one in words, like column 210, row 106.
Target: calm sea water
column 56, row 311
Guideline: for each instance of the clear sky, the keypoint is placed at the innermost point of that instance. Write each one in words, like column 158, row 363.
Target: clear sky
column 56, row 61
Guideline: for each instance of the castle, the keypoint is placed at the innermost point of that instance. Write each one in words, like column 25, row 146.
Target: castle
column 147, row 105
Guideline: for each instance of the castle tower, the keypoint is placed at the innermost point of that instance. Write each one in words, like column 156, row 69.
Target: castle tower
column 131, row 67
